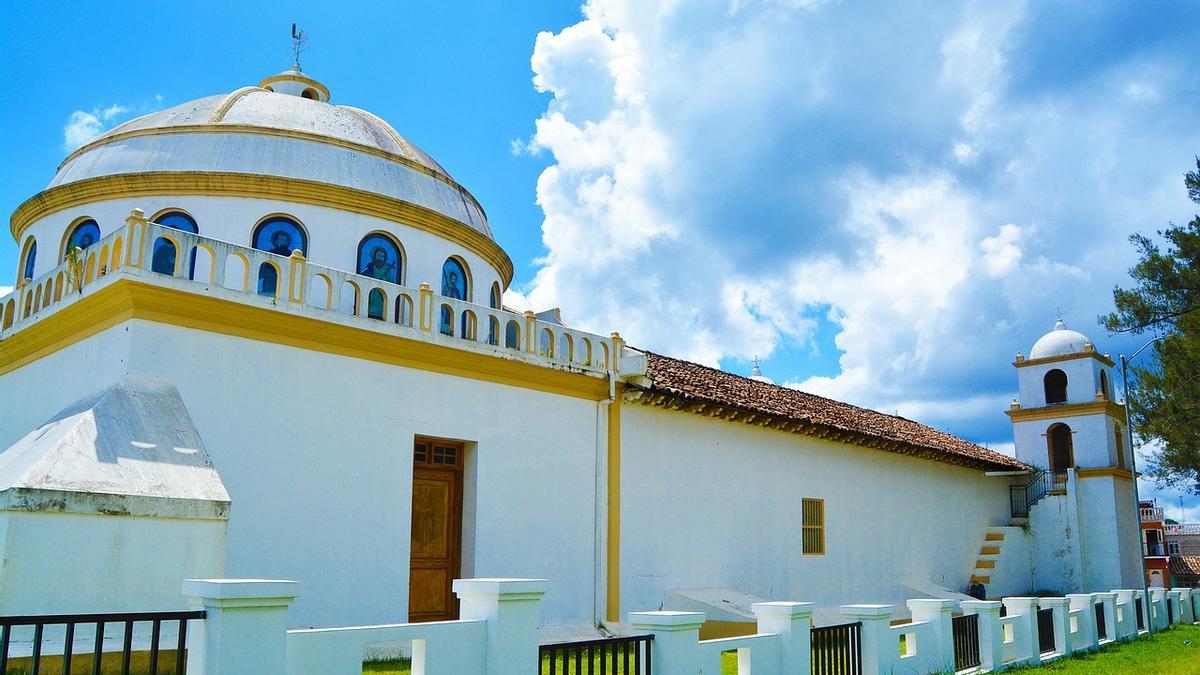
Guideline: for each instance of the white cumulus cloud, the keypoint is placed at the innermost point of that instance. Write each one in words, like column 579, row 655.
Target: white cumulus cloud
column 83, row 126
column 727, row 176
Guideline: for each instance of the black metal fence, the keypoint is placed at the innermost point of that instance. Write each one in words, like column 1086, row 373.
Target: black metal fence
column 966, row 641
column 608, row 656
column 1101, row 627
column 1045, row 626
column 1170, row 611
column 1023, row 497
column 1137, row 608
column 67, row 660
column 837, row 650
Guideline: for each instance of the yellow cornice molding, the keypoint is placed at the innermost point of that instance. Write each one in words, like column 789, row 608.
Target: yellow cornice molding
column 1090, row 354
column 258, row 186
column 1113, row 471
column 125, row 299
column 1114, row 410
column 216, row 127
column 296, row 76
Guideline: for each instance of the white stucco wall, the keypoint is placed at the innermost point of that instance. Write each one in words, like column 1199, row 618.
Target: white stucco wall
column 716, row 503
column 315, row 451
column 63, row 563
column 333, row 235
column 1109, row 533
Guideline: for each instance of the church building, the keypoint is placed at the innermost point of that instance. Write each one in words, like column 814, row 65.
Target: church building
column 261, row 334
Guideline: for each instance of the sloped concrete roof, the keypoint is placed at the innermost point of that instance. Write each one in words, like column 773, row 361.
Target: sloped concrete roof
column 130, row 450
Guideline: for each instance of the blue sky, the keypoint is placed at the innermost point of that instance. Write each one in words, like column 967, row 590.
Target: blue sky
column 884, row 201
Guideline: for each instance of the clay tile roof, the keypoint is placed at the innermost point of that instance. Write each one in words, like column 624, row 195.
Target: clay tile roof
column 679, row 383
column 1185, row 564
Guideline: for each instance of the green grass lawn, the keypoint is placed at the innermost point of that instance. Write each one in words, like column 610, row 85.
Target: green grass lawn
column 1175, row 651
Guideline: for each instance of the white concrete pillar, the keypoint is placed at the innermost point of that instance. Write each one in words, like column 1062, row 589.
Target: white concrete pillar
column 1108, row 606
column 792, row 622
column 1158, row 607
column 879, row 652
column 1086, row 638
column 245, row 628
column 676, row 648
column 1062, row 633
column 1140, row 600
column 1126, row 608
column 991, row 636
column 510, row 608
column 1189, row 604
column 940, row 614
column 1025, row 630
column 1174, row 611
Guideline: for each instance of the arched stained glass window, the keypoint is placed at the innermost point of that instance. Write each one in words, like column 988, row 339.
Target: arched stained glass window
column 280, row 235
column 379, row 258
column 376, row 301
column 512, row 335
column 268, row 280
column 454, row 280
column 30, row 259
column 84, row 235
column 176, row 220
column 163, row 261
column 494, row 299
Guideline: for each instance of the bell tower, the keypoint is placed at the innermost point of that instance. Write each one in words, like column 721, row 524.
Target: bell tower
column 1068, row 426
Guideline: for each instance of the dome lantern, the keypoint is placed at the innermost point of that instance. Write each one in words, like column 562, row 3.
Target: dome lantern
column 293, row 82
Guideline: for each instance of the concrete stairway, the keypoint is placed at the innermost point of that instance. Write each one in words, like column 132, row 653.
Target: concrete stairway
column 985, row 564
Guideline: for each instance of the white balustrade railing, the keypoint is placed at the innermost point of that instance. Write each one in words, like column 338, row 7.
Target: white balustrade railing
column 145, row 249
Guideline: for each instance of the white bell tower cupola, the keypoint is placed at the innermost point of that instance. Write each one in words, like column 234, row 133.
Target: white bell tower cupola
column 1065, row 416
column 1081, row 510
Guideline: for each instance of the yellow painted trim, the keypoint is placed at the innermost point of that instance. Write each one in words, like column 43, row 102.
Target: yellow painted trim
column 222, row 128
column 1091, row 354
column 716, row 630
column 294, row 76
column 128, row 299
column 613, row 568
column 1054, row 412
column 254, row 186
column 1113, row 471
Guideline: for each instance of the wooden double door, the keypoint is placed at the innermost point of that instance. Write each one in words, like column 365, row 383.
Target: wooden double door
column 436, row 547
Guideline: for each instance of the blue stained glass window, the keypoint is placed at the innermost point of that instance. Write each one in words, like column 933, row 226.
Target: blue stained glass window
column 163, row 260
column 379, row 258
column 268, row 279
column 84, row 235
column 454, row 280
column 163, row 249
column 280, row 236
column 30, row 258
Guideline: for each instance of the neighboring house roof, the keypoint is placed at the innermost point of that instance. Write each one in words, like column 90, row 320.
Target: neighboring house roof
column 686, row 385
column 1184, row 564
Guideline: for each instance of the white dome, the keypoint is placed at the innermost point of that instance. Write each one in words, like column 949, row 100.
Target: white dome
column 1059, row 342
column 258, row 131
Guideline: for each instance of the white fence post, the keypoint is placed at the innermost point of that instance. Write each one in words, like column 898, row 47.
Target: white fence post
column 1187, row 613
column 245, row 628
column 792, row 622
column 510, row 608
column 879, row 653
column 1174, row 599
column 1126, row 626
column 676, row 649
column 1062, row 631
column 1025, row 630
column 1108, row 604
column 991, row 637
column 1158, row 607
column 939, row 614
column 1089, row 636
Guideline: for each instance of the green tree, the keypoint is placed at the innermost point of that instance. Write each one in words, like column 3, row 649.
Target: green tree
column 1165, row 300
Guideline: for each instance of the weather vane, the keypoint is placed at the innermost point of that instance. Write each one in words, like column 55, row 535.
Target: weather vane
column 299, row 45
